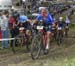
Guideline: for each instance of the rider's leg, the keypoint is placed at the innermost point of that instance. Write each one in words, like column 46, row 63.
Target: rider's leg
column 28, row 35
column 44, row 40
column 48, row 39
column 27, row 32
column 63, row 31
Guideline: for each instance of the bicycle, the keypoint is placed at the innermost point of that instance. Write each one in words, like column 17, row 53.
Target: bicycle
column 37, row 45
column 59, row 35
column 21, row 40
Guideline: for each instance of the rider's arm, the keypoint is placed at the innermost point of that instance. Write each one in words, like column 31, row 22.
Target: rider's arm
column 52, row 20
column 37, row 19
column 30, row 21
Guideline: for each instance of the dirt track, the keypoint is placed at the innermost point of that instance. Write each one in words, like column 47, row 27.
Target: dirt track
column 57, row 55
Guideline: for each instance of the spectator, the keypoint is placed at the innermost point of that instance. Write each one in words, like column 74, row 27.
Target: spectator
column 0, row 27
column 15, row 14
column 67, row 21
column 4, row 28
column 11, row 26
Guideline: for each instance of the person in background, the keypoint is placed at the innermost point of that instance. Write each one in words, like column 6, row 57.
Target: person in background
column 67, row 21
column 4, row 28
column 0, row 27
column 61, row 23
column 11, row 27
column 15, row 15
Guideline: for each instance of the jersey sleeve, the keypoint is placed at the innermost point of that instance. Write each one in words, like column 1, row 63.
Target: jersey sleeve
column 51, row 19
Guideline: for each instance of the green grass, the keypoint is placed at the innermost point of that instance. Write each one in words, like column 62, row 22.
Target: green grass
column 72, row 26
column 67, row 62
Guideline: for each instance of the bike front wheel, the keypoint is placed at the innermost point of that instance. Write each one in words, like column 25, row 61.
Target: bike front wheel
column 36, row 46
column 59, row 37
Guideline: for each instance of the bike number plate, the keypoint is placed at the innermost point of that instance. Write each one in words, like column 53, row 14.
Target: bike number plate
column 59, row 28
column 39, row 27
column 21, row 28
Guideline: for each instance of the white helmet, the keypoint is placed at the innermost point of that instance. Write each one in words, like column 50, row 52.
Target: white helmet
column 40, row 8
column 60, row 18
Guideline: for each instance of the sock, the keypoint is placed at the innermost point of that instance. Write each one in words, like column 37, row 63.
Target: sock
column 47, row 46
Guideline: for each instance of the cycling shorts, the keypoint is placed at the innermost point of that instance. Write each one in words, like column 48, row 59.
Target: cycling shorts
column 48, row 28
column 26, row 25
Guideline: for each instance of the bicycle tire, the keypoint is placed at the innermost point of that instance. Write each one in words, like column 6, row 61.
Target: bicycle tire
column 36, row 46
column 17, row 40
column 59, row 37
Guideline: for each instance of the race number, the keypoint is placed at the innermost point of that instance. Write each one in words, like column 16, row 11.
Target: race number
column 59, row 28
column 21, row 28
column 40, row 27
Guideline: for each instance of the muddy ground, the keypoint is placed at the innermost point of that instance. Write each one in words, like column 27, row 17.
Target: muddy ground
column 57, row 54
column 62, row 55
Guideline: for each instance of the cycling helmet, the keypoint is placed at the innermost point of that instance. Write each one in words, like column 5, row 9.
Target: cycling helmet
column 40, row 8
column 23, row 18
column 60, row 18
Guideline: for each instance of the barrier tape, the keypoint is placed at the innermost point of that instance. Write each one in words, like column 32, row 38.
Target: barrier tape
column 7, row 39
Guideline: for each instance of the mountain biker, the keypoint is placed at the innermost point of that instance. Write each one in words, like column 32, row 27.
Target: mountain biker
column 24, row 22
column 61, row 23
column 47, row 21
column 15, row 16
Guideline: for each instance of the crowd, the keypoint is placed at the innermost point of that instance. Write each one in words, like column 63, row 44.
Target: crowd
column 9, row 22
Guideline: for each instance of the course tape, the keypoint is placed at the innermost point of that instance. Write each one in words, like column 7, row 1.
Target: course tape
column 7, row 39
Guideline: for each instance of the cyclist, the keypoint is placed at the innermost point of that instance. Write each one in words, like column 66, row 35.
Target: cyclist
column 24, row 22
column 61, row 23
column 47, row 21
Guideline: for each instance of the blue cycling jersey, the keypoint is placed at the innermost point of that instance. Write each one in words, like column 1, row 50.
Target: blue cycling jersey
column 47, row 20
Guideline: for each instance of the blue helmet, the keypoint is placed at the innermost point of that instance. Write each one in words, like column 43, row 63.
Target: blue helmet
column 23, row 18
